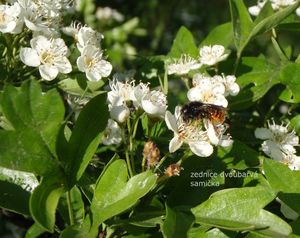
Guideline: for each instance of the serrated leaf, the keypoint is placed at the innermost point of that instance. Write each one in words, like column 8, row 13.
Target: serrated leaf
column 85, row 138
column 184, row 44
column 36, row 119
column 290, row 76
column 44, row 199
column 281, row 177
column 220, row 35
column 256, row 83
column 114, row 194
column 245, row 30
column 240, row 209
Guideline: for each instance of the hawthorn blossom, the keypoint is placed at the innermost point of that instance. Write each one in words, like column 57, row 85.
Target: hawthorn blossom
column 43, row 15
column 183, row 65
column 86, row 36
column 194, row 136
column 112, row 134
column 276, row 5
column 92, row 63
column 231, row 87
column 211, row 55
column 279, row 144
column 155, row 104
column 10, row 18
column 107, row 13
column 207, row 90
column 50, row 55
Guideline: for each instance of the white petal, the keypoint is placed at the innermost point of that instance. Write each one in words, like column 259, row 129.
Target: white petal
column 119, row 113
column 211, row 133
column 254, row 10
column 298, row 11
column 48, row 72
column 30, row 57
column 93, row 76
column 234, row 89
column 64, row 66
column 171, row 121
column 80, row 63
column 263, row 133
column 201, row 148
column 175, row 144
column 105, row 68
column 194, row 94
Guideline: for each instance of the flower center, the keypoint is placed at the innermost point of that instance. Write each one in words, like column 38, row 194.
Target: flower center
column 89, row 62
column 207, row 96
column 47, row 57
column 3, row 18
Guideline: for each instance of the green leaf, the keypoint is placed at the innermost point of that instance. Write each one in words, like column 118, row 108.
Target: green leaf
column 44, row 199
column 114, row 194
column 241, row 22
column 220, row 35
column 85, row 138
column 184, row 44
column 290, row 76
column 36, row 119
column 177, row 223
column 295, row 124
column 16, row 188
column 76, row 204
column 281, row 178
column 245, row 30
column 256, row 83
column 34, row 231
column 241, row 209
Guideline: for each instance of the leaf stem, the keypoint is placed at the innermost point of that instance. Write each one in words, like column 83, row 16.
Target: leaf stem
column 70, row 210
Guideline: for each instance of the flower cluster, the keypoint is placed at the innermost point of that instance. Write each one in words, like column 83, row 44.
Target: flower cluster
column 125, row 97
column 208, row 55
column 279, row 144
column 201, row 133
column 213, row 89
column 276, row 5
column 48, row 51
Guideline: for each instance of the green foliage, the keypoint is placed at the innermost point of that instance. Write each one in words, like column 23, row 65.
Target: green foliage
column 65, row 173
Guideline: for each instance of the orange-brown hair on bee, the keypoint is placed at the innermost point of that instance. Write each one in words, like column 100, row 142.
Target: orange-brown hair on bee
column 198, row 110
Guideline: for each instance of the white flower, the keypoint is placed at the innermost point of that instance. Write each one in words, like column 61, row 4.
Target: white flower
column 139, row 92
column 10, row 19
column 155, row 104
column 119, row 113
column 210, row 55
column 43, row 15
column 120, row 92
column 87, row 36
column 279, row 143
column 118, row 97
column 231, row 87
column 107, row 13
column 73, row 29
column 207, row 90
column 215, row 134
column 92, row 63
column 183, row 65
column 192, row 135
column 50, row 55
column 255, row 10
column 276, row 5
column 112, row 134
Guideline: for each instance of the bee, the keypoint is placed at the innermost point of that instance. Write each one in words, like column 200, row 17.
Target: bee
column 195, row 111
